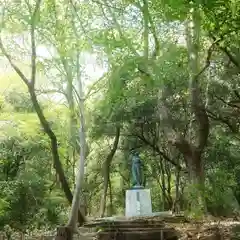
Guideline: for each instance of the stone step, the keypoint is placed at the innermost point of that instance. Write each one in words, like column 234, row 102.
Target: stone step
column 136, row 229
column 133, row 227
column 145, row 235
column 143, row 223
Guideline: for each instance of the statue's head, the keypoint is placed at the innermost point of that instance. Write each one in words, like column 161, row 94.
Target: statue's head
column 134, row 152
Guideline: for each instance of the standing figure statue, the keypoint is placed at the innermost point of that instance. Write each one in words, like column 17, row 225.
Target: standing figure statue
column 137, row 172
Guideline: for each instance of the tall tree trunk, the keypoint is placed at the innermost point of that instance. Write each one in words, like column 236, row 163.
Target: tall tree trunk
column 106, row 168
column 80, row 175
column 193, row 153
column 72, row 124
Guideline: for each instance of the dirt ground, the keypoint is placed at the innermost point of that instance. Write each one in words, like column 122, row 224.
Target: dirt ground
column 207, row 229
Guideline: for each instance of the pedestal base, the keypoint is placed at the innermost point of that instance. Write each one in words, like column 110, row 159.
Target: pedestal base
column 138, row 202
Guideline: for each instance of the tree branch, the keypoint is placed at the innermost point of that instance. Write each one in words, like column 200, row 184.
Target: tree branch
column 33, row 47
column 107, row 5
column 33, row 41
column 207, row 62
column 152, row 28
column 230, row 103
column 50, row 91
column 133, row 50
column 155, row 148
column 237, row 94
column 223, row 120
column 14, row 66
column 226, row 51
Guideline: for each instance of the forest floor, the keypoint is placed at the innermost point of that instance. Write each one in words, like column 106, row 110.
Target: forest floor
column 209, row 228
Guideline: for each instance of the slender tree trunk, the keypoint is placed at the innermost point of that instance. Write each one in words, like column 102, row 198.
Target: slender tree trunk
column 168, row 188
column 80, row 176
column 156, row 173
column 106, row 168
column 176, row 203
column 111, row 210
column 72, row 126
column 162, row 172
column 72, row 120
column 145, row 14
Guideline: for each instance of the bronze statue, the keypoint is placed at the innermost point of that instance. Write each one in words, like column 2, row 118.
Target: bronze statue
column 137, row 173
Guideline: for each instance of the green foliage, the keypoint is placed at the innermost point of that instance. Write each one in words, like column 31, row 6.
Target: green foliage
column 20, row 101
column 171, row 10
column 220, row 195
column 148, row 95
column 27, row 200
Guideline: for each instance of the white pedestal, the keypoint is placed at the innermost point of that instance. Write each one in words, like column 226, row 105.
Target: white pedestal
column 138, row 202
